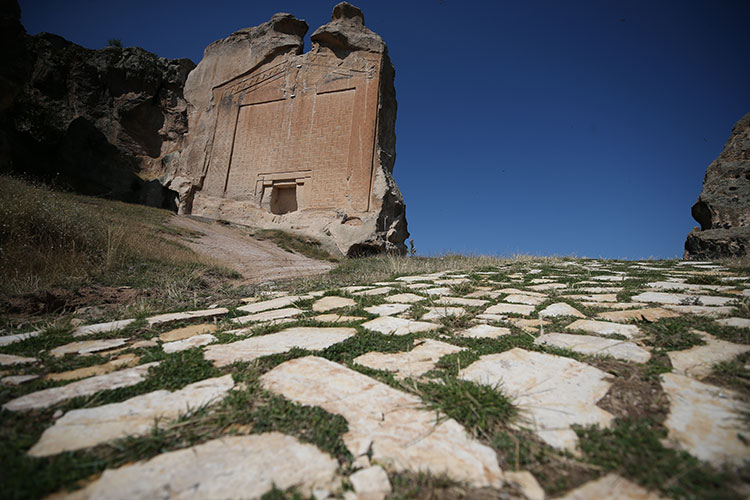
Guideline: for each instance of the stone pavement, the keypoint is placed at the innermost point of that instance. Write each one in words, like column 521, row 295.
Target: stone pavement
column 579, row 348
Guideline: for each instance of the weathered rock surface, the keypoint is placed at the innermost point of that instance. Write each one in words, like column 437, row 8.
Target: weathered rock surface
column 596, row 346
column 698, row 361
column 320, row 163
column 552, row 392
column 611, row 487
column 413, row 363
column 228, row 467
column 104, row 122
column 723, row 207
column 388, row 325
column 88, row 427
column 386, row 422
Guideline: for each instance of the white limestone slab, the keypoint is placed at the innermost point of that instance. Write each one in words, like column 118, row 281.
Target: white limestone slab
column 604, row 328
column 615, row 305
column 491, row 294
column 596, row 346
column 553, row 392
column 405, row 298
column 356, row 288
column 332, row 302
column 516, row 291
column 123, row 361
column 110, row 326
column 270, row 315
column 87, row 427
column 187, row 315
column 412, row 363
column 698, row 361
column 451, row 281
column 390, row 424
column 371, row 483
column 610, row 487
column 492, row 317
column 277, row 303
column 595, row 297
column 706, row 421
column 17, row 337
column 442, row 312
column 389, row 325
column 228, row 467
column 336, row 318
column 11, row 359
column 524, row 299
column 648, row 314
column 375, row 291
column 419, row 286
column 521, row 309
column 188, row 343
column 528, row 325
column 735, row 322
column 18, row 379
column 598, row 290
column 714, row 311
column 609, row 278
column 187, row 332
column 561, row 309
column 413, row 279
column 527, row 483
column 87, row 347
column 437, row 291
column 485, row 332
column 310, row 338
column 460, row 301
column 681, row 299
column 548, row 286
column 672, row 285
column 48, row 397
column 388, row 309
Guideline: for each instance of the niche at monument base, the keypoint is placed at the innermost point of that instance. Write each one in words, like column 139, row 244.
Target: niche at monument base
column 297, row 141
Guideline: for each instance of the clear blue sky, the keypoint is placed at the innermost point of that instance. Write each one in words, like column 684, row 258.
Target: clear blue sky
column 568, row 128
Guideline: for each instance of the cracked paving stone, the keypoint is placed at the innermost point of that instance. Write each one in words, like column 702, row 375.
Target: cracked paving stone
column 649, row 314
column 552, row 392
column 412, row 363
column 388, row 309
column 389, row 325
column 442, row 312
column 310, row 338
column 267, row 305
column 337, row 318
column 188, row 343
column 221, row 468
column 596, row 346
column 390, row 424
column 87, row 427
column 698, row 361
column 604, row 328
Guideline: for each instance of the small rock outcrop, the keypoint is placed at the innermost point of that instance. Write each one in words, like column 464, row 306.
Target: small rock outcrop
column 723, row 207
column 303, row 142
column 103, row 122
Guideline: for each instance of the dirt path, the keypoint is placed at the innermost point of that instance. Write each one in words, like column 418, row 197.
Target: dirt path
column 258, row 261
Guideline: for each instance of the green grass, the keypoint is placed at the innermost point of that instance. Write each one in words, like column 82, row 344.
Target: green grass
column 671, row 334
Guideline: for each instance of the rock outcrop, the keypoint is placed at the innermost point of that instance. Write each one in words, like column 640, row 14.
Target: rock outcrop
column 303, row 142
column 103, row 122
column 723, row 207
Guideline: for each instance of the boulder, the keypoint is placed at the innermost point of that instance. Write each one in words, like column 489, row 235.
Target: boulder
column 723, row 207
column 302, row 142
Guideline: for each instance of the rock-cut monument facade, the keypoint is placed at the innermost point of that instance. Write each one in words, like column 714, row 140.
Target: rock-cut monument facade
column 303, row 142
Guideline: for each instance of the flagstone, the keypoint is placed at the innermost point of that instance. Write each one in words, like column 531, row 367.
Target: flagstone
column 492, row 294
column 604, row 328
column 87, row 427
column 597, row 297
column 389, row 325
column 18, row 379
column 17, row 337
column 357, row 288
column 332, row 302
column 187, row 332
column 276, row 303
column 375, row 291
column 735, row 322
column 516, row 291
column 310, row 338
column 561, row 309
column 524, row 299
column 528, row 325
column 271, row 315
column 451, row 281
column 442, row 312
column 615, row 305
column 370, row 483
column 87, row 347
column 411, row 279
column 143, row 343
column 460, row 301
column 389, row 424
column 510, row 309
column 610, row 487
column 527, row 483
column 609, row 278
column 221, row 468
column 187, row 315
column 681, row 298
column 10, row 359
column 110, row 326
column 492, row 317
column 188, row 343
column 337, row 318
column 48, row 397
column 440, row 291
column 412, row 363
column 597, row 289
column 419, row 286
column 596, row 346
column 714, row 311
column 126, row 360
column 405, row 298
column 706, row 421
column 485, row 331
column 548, row 286
column 388, row 309
column 698, row 361
column 649, row 314
column 552, row 392
column 672, row 285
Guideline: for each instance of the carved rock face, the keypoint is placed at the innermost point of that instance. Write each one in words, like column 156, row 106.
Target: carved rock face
column 723, row 207
column 302, row 142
